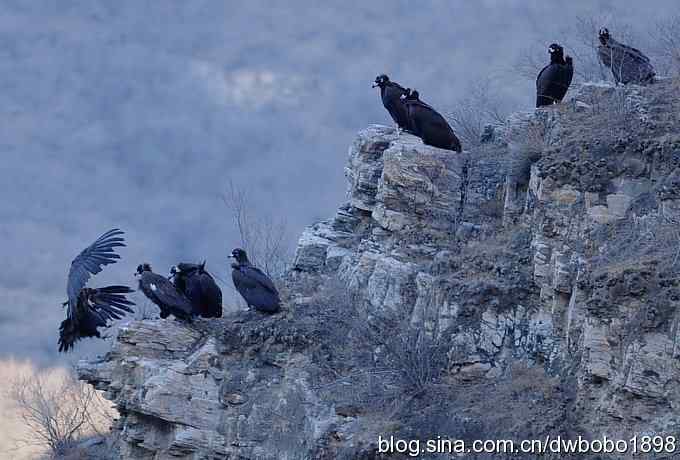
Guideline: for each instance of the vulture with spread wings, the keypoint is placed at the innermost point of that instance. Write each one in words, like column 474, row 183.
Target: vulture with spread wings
column 91, row 308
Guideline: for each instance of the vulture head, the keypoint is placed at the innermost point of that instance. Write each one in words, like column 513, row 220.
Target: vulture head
column 381, row 81
column 141, row 268
column 603, row 35
column 240, row 256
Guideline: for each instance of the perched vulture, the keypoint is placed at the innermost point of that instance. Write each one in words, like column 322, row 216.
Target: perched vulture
column 199, row 287
column 553, row 81
column 391, row 93
column 429, row 125
column 628, row 65
column 164, row 294
column 255, row 287
column 91, row 308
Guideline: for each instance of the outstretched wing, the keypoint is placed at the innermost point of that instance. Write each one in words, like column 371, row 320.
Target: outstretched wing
column 111, row 302
column 90, row 262
column 95, row 308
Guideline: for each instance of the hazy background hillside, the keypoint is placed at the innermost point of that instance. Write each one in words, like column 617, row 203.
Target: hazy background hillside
column 135, row 114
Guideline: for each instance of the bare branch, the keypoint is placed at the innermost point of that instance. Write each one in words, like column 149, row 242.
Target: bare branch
column 666, row 40
column 480, row 107
column 263, row 237
column 57, row 410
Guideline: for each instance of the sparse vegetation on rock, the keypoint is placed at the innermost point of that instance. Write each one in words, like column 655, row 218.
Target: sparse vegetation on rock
column 526, row 287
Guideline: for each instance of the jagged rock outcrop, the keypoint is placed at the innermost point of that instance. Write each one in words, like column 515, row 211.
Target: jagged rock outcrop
column 211, row 391
column 527, row 287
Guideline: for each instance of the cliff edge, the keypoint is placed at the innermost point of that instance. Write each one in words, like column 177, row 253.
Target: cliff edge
column 526, row 287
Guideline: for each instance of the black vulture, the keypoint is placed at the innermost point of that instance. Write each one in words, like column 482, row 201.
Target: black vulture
column 628, row 65
column 90, row 308
column 163, row 293
column 429, row 125
column 391, row 93
column 194, row 281
column 553, row 81
column 255, row 287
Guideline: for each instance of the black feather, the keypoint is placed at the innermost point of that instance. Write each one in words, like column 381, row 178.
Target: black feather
column 91, row 261
column 627, row 64
column 89, row 309
column 430, row 125
column 94, row 307
column 200, row 288
column 554, row 80
column 164, row 294
column 255, row 287
column 391, row 95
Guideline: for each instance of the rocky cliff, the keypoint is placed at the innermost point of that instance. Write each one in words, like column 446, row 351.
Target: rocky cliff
column 529, row 286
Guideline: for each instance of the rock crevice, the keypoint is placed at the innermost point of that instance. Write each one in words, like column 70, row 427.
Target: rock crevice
column 541, row 269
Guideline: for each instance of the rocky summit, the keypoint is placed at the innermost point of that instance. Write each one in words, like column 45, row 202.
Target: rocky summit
column 526, row 287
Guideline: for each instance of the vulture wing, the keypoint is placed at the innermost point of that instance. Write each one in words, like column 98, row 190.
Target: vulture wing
column 111, row 302
column 93, row 309
column 210, row 295
column 91, row 261
column 261, row 279
column 256, row 288
column 164, row 294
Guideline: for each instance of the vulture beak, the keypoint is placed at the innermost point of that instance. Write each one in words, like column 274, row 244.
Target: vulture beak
column 374, row 85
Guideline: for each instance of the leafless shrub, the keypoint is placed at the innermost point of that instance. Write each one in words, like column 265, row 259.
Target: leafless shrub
column 580, row 41
column 419, row 357
column 93, row 448
column 584, row 47
column 653, row 236
column 531, row 60
column 526, row 380
column 394, row 355
column 480, row 107
column 264, row 238
column 58, row 410
column 585, row 31
column 526, row 146
column 666, row 37
column 618, row 111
